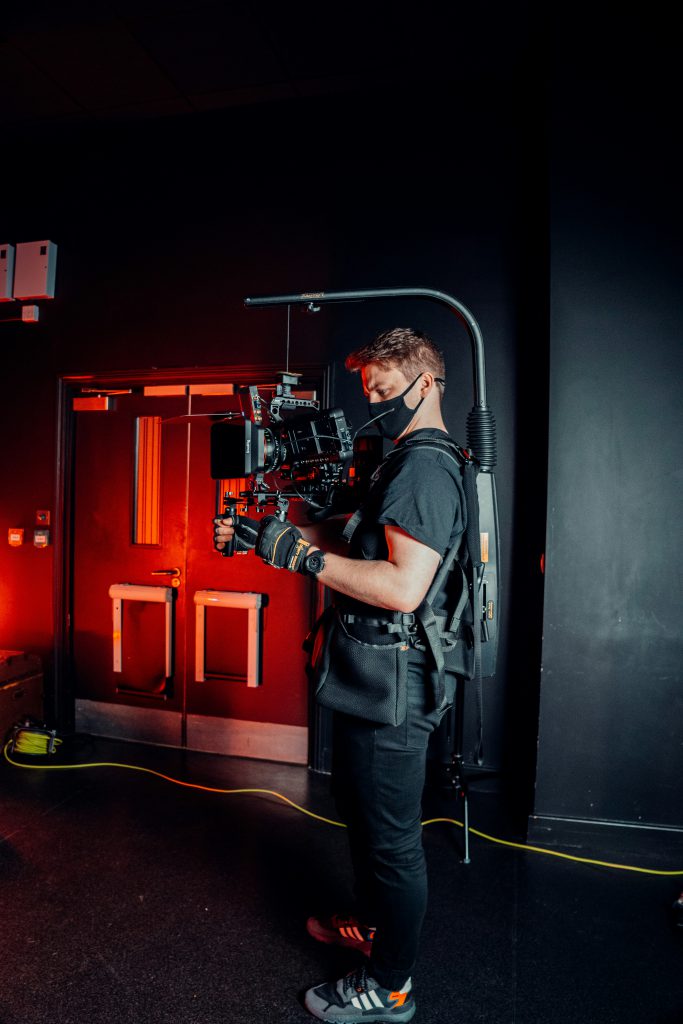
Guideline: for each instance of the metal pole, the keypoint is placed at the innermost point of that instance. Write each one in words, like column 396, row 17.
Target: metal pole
column 481, row 424
column 313, row 299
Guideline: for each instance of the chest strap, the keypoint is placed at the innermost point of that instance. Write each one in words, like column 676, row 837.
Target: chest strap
column 352, row 525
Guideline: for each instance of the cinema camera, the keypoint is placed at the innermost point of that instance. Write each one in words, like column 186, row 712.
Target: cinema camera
column 306, row 451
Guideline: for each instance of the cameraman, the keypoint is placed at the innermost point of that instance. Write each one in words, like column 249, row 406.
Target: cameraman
column 414, row 512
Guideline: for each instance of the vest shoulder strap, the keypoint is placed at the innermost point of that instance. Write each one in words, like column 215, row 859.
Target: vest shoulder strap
column 447, row 446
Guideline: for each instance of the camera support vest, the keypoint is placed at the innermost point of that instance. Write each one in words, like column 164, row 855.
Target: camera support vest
column 425, row 627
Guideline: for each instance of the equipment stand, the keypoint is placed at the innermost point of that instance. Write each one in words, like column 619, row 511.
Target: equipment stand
column 459, row 780
column 449, row 740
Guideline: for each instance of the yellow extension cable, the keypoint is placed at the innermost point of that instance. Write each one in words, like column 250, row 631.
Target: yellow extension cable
column 35, row 743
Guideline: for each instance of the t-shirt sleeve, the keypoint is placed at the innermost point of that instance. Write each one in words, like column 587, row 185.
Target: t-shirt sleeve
column 423, row 499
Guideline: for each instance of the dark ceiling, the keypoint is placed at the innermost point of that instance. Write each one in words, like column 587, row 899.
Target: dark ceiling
column 89, row 62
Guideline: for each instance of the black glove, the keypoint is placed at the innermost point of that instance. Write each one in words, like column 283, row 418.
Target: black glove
column 246, row 531
column 281, row 544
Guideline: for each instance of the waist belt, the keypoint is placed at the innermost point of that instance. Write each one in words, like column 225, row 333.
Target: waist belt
column 392, row 622
column 436, row 638
column 407, row 622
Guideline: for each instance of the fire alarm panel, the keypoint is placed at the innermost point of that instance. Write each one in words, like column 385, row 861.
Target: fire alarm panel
column 41, row 538
column 35, row 269
column 42, row 517
column 15, row 536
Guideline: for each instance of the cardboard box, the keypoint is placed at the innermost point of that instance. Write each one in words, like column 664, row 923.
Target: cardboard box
column 17, row 664
column 21, row 689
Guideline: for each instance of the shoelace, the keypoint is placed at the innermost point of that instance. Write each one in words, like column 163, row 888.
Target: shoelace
column 356, row 980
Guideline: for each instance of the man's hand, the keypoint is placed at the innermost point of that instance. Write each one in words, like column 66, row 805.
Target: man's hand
column 242, row 528
column 282, row 544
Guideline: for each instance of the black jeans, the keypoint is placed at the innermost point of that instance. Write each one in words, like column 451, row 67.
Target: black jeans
column 378, row 776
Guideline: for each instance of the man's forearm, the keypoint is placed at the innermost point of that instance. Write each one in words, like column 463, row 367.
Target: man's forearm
column 398, row 582
column 377, row 583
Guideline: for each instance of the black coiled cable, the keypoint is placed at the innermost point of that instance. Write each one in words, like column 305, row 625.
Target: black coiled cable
column 481, row 437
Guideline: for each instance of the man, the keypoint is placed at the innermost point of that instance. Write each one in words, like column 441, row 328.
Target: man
column 414, row 512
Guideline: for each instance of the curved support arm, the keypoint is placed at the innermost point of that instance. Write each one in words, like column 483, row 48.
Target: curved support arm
column 481, row 427
column 313, row 299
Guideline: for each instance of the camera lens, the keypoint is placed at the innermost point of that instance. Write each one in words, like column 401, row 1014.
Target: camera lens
column 273, row 451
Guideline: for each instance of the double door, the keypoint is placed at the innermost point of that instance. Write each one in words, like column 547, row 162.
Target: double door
column 170, row 641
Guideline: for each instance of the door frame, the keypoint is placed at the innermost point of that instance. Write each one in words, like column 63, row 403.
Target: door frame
column 61, row 707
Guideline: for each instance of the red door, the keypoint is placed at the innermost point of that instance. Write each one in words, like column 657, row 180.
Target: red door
column 173, row 643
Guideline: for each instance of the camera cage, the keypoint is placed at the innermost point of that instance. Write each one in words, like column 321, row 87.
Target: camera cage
column 284, row 434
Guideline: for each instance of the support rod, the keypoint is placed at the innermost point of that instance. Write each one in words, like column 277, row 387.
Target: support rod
column 313, row 299
column 481, row 428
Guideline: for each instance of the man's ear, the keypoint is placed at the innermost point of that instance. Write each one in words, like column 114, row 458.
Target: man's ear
column 428, row 382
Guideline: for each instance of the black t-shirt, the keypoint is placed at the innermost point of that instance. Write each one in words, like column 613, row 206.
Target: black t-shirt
column 420, row 491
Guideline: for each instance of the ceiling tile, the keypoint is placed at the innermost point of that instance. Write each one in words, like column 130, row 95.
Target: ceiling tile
column 26, row 91
column 219, row 50
column 149, row 57
column 242, row 97
column 98, row 66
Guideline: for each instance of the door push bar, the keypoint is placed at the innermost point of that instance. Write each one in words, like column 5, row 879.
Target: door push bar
column 120, row 592
column 229, row 599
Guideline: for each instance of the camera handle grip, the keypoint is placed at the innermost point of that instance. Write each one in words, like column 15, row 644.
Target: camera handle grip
column 282, row 507
column 229, row 549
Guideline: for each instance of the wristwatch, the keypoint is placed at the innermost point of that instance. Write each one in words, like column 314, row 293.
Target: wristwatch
column 314, row 564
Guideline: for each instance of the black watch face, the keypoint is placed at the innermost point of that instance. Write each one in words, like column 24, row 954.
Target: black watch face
column 315, row 563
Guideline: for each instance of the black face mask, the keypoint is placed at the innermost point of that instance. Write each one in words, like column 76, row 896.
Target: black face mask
column 393, row 416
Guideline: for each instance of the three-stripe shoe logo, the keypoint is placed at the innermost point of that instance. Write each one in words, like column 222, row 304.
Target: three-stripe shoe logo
column 352, row 933
column 366, row 1000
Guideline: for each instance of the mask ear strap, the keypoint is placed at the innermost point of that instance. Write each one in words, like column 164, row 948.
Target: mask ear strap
column 437, row 380
column 411, row 386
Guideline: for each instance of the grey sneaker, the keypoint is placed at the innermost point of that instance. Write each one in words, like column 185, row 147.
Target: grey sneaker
column 357, row 998
column 342, row 931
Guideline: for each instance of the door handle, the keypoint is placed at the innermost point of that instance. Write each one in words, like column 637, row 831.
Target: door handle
column 174, row 573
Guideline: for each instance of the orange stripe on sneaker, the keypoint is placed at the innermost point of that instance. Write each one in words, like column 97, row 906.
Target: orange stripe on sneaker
column 398, row 997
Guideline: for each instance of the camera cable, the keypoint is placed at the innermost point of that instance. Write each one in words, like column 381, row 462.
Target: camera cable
column 37, row 743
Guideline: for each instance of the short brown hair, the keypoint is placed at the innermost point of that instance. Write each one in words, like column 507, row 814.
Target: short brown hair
column 402, row 348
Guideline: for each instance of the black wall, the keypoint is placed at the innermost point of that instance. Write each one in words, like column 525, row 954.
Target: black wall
column 610, row 745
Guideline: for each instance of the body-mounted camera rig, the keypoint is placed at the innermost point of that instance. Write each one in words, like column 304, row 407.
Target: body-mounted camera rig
column 482, row 446
column 480, row 431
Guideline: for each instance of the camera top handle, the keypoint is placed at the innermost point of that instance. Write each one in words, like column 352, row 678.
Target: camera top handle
column 481, row 427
